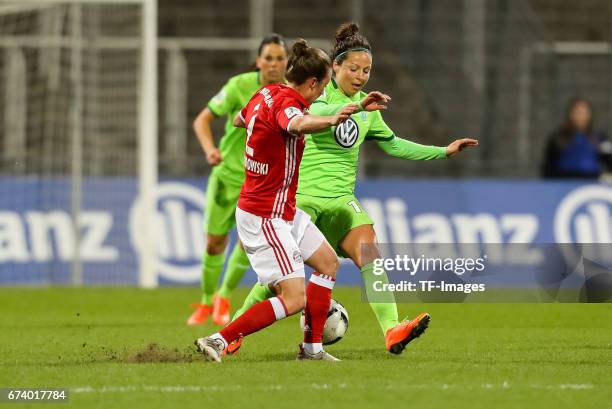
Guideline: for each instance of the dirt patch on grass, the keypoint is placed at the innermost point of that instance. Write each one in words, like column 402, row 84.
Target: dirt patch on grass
column 157, row 353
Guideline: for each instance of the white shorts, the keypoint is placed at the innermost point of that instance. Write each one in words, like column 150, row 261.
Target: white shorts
column 277, row 248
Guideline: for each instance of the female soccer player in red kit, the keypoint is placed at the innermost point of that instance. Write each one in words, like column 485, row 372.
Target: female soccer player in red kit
column 277, row 237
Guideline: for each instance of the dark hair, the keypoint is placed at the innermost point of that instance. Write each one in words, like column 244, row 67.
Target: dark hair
column 305, row 62
column 346, row 38
column 272, row 38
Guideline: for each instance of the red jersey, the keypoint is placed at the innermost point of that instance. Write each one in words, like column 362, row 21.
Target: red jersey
column 272, row 153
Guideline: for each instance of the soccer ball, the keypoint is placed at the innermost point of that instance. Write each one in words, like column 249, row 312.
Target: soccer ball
column 336, row 324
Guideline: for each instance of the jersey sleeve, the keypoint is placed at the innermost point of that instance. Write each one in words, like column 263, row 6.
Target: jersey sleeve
column 402, row 148
column 287, row 111
column 322, row 108
column 225, row 100
column 379, row 130
column 398, row 147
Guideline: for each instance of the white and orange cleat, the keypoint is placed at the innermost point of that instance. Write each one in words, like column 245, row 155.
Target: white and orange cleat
column 211, row 348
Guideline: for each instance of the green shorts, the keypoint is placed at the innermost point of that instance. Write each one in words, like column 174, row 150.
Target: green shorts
column 221, row 200
column 334, row 216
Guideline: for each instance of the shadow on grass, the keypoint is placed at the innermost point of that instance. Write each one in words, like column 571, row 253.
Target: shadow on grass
column 340, row 353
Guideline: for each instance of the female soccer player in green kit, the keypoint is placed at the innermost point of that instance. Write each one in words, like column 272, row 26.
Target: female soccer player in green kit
column 328, row 171
column 227, row 177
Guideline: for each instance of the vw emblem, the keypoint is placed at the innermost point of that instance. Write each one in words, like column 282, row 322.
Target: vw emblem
column 347, row 133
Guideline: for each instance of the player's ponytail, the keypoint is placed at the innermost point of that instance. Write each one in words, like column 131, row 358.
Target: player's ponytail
column 300, row 48
column 345, row 31
column 347, row 39
column 306, row 62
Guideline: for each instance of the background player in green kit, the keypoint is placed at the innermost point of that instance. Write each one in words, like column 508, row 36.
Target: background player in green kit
column 227, row 177
column 328, row 171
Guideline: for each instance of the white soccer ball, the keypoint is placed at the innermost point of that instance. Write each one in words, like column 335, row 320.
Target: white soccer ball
column 336, row 324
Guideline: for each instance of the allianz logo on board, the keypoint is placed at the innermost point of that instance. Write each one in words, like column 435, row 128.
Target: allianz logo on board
column 584, row 215
column 432, row 232
column 179, row 233
column 35, row 236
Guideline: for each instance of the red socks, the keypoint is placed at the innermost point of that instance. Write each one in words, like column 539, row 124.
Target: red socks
column 318, row 297
column 257, row 317
column 265, row 313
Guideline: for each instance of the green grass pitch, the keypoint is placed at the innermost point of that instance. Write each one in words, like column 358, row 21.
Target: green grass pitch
column 130, row 348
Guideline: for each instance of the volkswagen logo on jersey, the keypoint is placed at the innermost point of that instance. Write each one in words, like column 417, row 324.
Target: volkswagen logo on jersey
column 347, row 133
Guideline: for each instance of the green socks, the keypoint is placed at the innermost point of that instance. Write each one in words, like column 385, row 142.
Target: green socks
column 211, row 269
column 237, row 264
column 386, row 309
column 257, row 294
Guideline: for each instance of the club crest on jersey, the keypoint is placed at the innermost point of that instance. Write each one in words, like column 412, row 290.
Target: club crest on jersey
column 297, row 256
column 347, row 133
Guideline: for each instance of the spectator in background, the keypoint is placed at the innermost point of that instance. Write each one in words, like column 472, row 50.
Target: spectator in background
column 576, row 150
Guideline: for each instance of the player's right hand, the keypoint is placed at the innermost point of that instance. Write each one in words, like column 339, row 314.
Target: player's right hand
column 344, row 114
column 213, row 157
column 375, row 101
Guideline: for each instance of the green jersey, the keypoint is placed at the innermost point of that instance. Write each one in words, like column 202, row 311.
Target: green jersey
column 229, row 101
column 329, row 164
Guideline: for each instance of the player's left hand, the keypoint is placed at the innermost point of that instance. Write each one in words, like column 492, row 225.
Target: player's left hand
column 459, row 145
column 375, row 101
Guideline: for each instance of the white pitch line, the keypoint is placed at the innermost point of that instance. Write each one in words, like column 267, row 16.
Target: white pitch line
column 565, row 386
column 318, row 386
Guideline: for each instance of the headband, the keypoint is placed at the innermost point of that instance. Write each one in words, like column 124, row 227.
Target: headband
column 342, row 54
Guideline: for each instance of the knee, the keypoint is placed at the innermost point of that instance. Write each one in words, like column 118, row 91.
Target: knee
column 364, row 253
column 216, row 244
column 369, row 253
column 295, row 302
column 331, row 266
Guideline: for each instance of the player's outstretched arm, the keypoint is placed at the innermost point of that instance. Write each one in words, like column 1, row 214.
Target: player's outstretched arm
column 460, row 144
column 315, row 123
column 374, row 101
column 405, row 149
column 203, row 130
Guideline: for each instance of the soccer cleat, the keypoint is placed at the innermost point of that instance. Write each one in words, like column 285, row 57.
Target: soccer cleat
column 303, row 355
column 234, row 346
column 399, row 336
column 200, row 315
column 221, row 311
column 211, row 348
